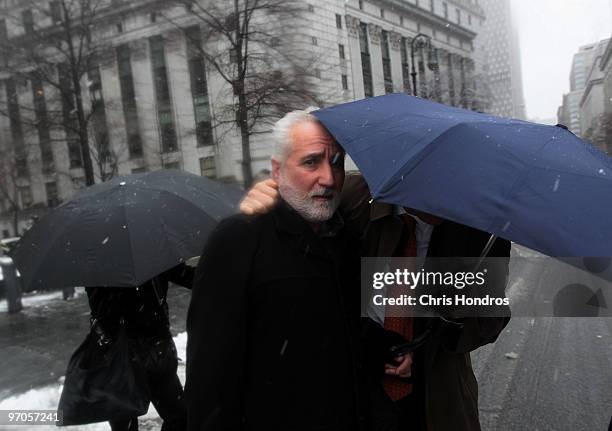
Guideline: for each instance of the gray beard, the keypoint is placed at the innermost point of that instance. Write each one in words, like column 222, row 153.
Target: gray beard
column 304, row 203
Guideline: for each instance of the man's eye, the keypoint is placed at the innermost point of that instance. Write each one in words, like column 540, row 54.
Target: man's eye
column 309, row 162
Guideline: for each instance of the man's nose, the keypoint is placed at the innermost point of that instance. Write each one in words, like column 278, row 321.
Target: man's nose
column 326, row 175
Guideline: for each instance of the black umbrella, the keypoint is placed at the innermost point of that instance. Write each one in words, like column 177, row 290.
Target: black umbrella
column 125, row 231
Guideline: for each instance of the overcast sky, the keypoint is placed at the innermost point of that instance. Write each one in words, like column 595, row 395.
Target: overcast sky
column 550, row 32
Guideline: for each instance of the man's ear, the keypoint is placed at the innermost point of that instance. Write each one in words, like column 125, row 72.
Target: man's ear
column 275, row 170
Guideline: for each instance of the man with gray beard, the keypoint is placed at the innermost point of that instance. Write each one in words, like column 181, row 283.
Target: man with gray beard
column 273, row 323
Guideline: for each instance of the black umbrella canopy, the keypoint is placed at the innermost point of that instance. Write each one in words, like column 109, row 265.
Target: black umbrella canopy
column 125, row 231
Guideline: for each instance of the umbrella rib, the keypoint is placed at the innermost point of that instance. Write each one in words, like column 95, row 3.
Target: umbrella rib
column 131, row 254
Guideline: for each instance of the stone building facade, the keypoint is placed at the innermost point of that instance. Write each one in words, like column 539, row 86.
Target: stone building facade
column 160, row 99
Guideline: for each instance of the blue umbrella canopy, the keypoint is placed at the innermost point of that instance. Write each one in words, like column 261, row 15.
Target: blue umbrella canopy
column 540, row 186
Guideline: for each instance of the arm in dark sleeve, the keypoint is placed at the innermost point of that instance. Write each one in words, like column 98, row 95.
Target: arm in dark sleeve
column 217, row 327
column 106, row 305
column 478, row 331
column 182, row 275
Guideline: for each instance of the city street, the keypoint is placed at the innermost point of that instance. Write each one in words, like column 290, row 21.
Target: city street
column 543, row 373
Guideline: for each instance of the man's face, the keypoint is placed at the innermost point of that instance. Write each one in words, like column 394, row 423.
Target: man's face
column 311, row 177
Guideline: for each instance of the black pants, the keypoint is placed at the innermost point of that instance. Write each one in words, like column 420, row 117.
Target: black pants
column 158, row 356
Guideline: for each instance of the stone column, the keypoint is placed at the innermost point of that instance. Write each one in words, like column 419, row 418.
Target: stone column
column 378, row 78
column 111, row 90
column 182, row 99
column 352, row 25
column 395, row 40
column 144, row 88
column 443, row 72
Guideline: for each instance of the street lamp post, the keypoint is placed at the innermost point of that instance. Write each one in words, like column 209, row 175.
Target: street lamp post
column 421, row 41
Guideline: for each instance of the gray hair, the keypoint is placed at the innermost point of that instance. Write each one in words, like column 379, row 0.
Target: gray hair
column 282, row 129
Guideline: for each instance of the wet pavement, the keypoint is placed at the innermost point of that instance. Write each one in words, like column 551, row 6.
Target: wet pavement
column 542, row 373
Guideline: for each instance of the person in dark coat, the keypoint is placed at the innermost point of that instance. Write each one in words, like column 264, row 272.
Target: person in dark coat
column 143, row 311
column 444, row 393
column 272, row 325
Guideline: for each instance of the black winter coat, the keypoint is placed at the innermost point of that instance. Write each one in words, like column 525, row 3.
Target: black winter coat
column 273, row 326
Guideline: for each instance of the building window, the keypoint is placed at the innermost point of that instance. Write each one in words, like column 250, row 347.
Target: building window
column 315, row 42
column 69, row 118
column 469, row 19
column 119, row 27
column 233, row 57
column 199, row 87
column 21, row 164
column 42, row 124
column 78, row 182
column 172, row 165
column 386, row 62
column 432, row 6
column 28, row 21
column 52, row 195
column 382, row 13
column 341, row 51
column 310, row 8
column 338, row 21
column 128, row 100
column 445, row 6
column 162, row 95
column 98, row 115
column 401, row 21
column 434, row 33
column 318, row 73
column 5, row 233
column 3, row 31
column 366, row 66
column 344, row 82
column 25, row 194
column 360, row 4
column 451, row 80
column 55, row 11
column 207, row 167
column 405, row 65
column 14, row 114
column 153, row 17
column 458, row 14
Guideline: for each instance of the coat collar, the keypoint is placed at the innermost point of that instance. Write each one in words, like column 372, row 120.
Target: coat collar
column 287, row 220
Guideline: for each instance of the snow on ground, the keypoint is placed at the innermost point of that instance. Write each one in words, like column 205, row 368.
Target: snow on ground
column 47, row 398
column 36, row 299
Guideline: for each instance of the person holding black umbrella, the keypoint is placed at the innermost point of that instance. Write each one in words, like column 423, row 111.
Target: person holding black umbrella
column 143, row 312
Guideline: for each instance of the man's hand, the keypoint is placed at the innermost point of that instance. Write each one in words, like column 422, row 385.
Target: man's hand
column 260, row 199
column 401, row 368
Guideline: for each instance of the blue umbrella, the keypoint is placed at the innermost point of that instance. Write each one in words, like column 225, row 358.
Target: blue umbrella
column 537, row 185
